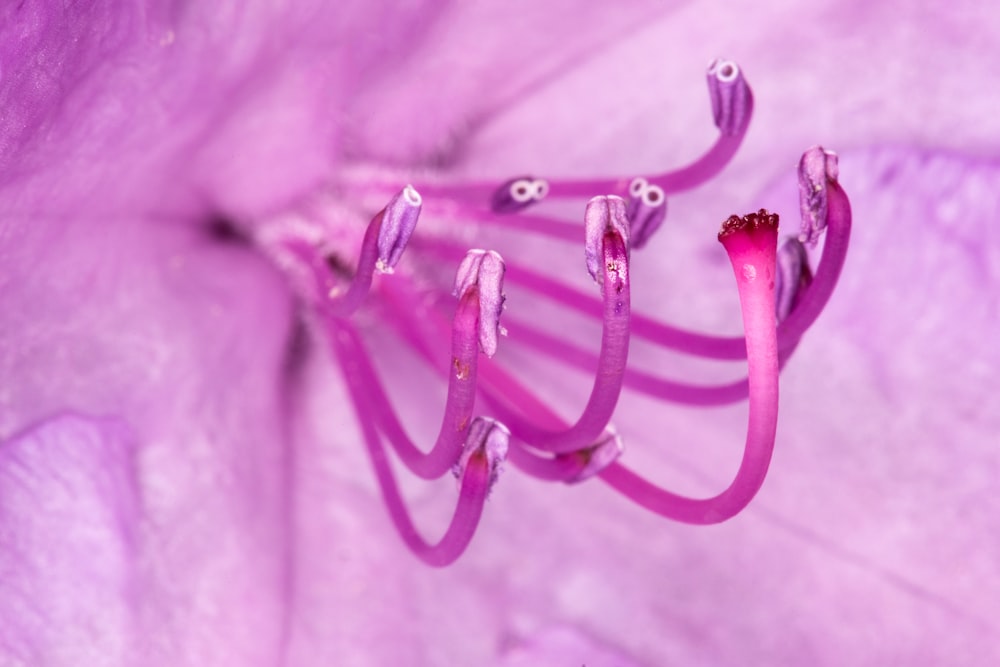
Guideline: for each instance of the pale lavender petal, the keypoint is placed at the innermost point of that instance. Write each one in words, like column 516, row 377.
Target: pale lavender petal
column 187, row 340
column 70, row 535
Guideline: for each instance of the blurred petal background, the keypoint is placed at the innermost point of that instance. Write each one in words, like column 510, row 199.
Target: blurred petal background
column 182, row 483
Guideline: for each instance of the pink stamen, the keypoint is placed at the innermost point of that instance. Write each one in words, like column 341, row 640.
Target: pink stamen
column 475, row 327
column 662, row 334
column 607, row 252
column 779, row 298
column 488, row 442
column 383, row 245
column 821, row 197
column 751, row 243
column 732, row 101
column 478, row 468
column 817, row 168
column 481, row 272
column 503, row 393
column 732, row 108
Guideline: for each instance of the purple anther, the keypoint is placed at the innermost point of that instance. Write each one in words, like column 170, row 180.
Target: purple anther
column 605, row 214
column 483, row 270
column 817, row 168
column 646, row 210
column 597, row 457
column 731, row 97
column 793, row 276
column 518, row 194
column 398, row 221
column 487, row 440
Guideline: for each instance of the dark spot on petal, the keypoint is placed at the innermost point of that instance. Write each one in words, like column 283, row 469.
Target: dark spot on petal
column 339, row 267
column 224, row 230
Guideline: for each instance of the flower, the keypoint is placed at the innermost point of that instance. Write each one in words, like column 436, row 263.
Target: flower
column 232, row 523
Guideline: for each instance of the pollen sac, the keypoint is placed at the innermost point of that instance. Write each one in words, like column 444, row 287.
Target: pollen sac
column 486, row 438
column 817, row 169
column 731, row 96
column 484, row 271
column 597, row 457
column 399, row 218
column 792, row 277
column 606, row 214
column 646, row 209
column 518, row 194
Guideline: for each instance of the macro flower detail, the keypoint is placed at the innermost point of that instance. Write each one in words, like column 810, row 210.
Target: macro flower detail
column 779, row 294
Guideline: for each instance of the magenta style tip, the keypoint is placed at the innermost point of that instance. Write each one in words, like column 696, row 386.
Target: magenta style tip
column 817, row 168
column 518, row 194
column 606, row 214
column 758, row 228
column 487, row 442
column 731, row 96
column 483, row 270
column 398, row 221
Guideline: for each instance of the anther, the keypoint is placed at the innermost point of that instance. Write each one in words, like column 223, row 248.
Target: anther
column 605, row 216
column 817, row 169
column 646, row 209
column 731, row 97
column 595, row 458
column 486, row 444
column 383, row 245
column 793, row 276
column 518, row 193
column 398, row 221
column 825, row 206
column 483, row 271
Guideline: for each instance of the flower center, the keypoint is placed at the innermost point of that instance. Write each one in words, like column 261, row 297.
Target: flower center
column 780, row 298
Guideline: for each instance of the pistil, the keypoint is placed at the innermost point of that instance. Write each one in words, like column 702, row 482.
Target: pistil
column 751, row 243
